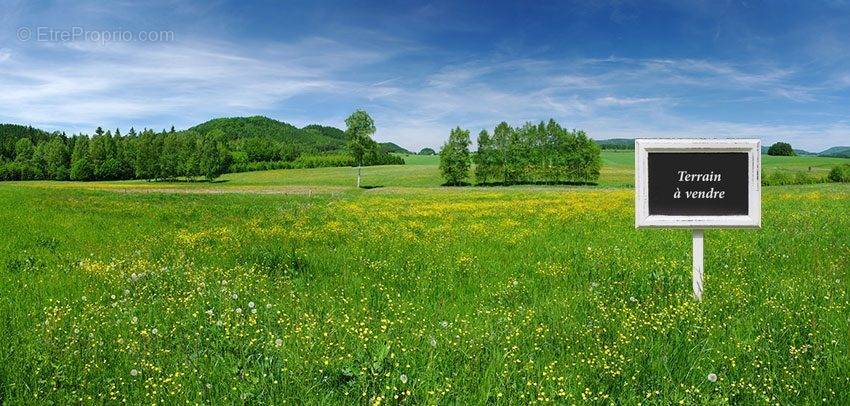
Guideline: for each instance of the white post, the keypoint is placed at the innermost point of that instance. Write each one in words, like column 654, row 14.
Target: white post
column 358, row 176
column 698, row 264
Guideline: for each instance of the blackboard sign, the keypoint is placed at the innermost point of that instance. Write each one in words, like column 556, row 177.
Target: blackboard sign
column 697, row 183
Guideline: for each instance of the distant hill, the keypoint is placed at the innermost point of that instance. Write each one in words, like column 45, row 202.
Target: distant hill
column 800, row 152
column 392, row 148
column 616, row 143
column 837, row 152
column 11, row 133
column 312, row 137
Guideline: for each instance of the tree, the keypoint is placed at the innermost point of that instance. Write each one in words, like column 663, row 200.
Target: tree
column 501, row 140
column 56, row 159
column 359, row 129
column 781, row 149
column 213, row 157
column 454, row 157
column 485, row 158
column 147, row 156
column 24, row 150
column 81, row 168
column 169, row 159
column 427, row 151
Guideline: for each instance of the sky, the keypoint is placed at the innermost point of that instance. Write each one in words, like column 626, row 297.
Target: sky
column 774, row 70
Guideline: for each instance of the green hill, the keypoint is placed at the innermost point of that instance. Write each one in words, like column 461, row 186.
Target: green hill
column 616, row 143
column 310, row 138
column 393, row 148
column 11, row 133
column 837, row 152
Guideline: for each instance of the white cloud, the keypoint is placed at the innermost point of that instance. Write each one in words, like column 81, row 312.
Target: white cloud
column 183, row 83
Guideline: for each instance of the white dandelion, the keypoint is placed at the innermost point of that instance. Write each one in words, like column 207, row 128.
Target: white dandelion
column 278, row 342
column 135, row 320
column 239, row 310
column 403, row 378
column 251, row 305
column 712, row 377
column 234, row 296
column 155, row 331
column 133, row 372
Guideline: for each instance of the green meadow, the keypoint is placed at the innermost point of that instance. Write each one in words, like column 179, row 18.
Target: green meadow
column 292, row 286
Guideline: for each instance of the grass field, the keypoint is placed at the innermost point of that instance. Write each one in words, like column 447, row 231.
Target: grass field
column 302, row 289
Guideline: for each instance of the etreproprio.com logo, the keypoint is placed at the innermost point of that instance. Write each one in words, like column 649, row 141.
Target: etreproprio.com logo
column 74, row 34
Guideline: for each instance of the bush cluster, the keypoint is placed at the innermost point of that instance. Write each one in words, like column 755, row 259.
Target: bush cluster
column 544, row 153
column 315, row 161
column 840, row 173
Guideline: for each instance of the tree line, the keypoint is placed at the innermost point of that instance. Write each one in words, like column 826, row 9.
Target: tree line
column 541, row 153
column 28, row 153
column 112, row 156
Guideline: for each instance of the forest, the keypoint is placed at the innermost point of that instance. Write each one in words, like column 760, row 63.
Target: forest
column 201, row 152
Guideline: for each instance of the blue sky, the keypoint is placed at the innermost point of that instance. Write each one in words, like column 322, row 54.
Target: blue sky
column 773, row 70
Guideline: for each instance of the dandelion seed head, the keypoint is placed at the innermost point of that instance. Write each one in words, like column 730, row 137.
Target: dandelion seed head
column 712, row 377
column 251, row 304
column 133, row 372
column 278, row 342
column 403, row 378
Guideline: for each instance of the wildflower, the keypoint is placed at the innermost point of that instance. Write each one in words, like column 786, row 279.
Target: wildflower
column 112, row 297
column 251, row 305
column 239, row 310
column 234, row 296
column 155, row 331
column 210, row 312
column 135, row 320
column 134, row 276
column 712, row 377
column 278, row 342
column 403, row 378
column 268, row 305
column 133, row 372
column 444, row 324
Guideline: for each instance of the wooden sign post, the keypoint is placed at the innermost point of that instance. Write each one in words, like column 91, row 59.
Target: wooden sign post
column 697, row 184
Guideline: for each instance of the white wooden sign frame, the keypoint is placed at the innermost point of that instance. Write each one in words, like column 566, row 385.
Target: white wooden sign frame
column 643, row 147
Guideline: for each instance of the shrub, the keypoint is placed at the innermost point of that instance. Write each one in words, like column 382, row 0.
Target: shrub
column 781, row 149
column 840, row 173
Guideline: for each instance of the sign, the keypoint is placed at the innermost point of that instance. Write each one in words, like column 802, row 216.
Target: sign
column 697, row 184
